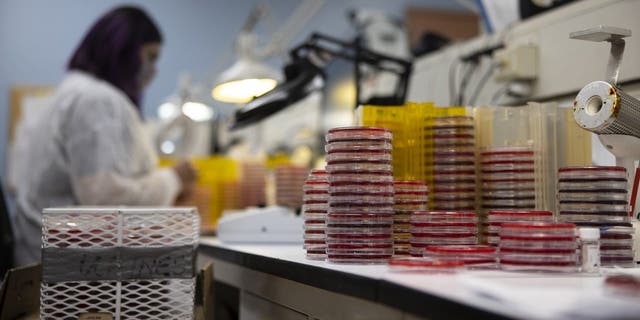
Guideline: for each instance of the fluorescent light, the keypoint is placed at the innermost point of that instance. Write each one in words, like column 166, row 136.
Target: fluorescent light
column 168, row 147
column 244, row 80
column 243, row 91
column 197, row 111
column 168, row 110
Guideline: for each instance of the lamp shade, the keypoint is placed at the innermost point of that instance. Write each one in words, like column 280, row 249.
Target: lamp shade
column 244, row 80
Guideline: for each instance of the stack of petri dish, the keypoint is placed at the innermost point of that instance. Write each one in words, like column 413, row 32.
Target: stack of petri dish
column 289, row 181
column 430, row 228
column 253, row 184
column 314, row 212
column 409, row 196
column 598, row 197
column 454, row 163
column 472, row 256
column 617, row 246
column 539, row 247
column 508, row 178
column 495, row 218
column 361, row 198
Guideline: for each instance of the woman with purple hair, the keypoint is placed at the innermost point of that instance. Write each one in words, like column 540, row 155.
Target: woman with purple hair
column 89, row 147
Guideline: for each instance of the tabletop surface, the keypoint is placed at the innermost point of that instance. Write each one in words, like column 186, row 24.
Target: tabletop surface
column 467, row 293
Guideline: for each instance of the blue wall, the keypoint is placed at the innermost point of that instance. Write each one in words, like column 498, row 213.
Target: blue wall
column 38, row 36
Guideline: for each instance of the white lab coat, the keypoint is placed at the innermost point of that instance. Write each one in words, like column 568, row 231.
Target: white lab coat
column 89, row 148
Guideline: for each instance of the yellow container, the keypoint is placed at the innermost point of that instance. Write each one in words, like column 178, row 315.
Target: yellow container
column 216, row 189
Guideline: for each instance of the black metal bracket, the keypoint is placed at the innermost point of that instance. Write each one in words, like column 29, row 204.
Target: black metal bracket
column 308, row 61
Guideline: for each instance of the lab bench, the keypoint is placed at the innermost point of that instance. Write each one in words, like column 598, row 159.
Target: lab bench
column 278, row 282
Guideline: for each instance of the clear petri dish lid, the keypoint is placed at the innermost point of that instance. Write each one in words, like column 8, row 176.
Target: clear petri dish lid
column 491, row 162
column 462, row 249
column 350, row 233
column 600, row 196
column 592, row 172
column 370, row 150
column 359, row 167
column 357, row 144
column 358, row 133
column 359, row 161
column 593, row 186
column 538, row 227
column 360, row 246
column 451, row 129
column 428, row 265
column 519, row 213
column 362, row 194
column 613, row 232
column 343, row 187
column 582, row 216
column 454, row 205
column 542, row 259
column 507, row 176
column 424, row 242
column 356, row 157
column 592, row 208
column 442, row 215
column 361, row 199
column 358, row 178
column 379, row 220
column 507, row 183
column 511, row 194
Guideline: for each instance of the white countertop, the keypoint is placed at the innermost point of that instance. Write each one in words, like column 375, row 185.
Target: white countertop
column 520, row 295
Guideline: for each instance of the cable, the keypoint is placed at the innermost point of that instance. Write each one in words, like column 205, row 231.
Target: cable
column 498, row 94
column 465, row 80
column 481, row 83
column 453, row 68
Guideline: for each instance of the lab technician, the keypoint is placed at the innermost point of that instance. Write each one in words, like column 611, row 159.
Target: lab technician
column 89, row 147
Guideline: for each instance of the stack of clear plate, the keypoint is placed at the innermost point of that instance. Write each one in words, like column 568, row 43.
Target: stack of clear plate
column 598, row 197
column 539, row 247
column 289, row 181
column 253, row 185
column 361, row 198
column 496, row 218
column 472, row 256
column 314, row 212
column 442, row 228
column 454, row 163
column 508, row 178
column 409, row 196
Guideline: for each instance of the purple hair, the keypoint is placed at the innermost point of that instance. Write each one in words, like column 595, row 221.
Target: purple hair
column 111, row 49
